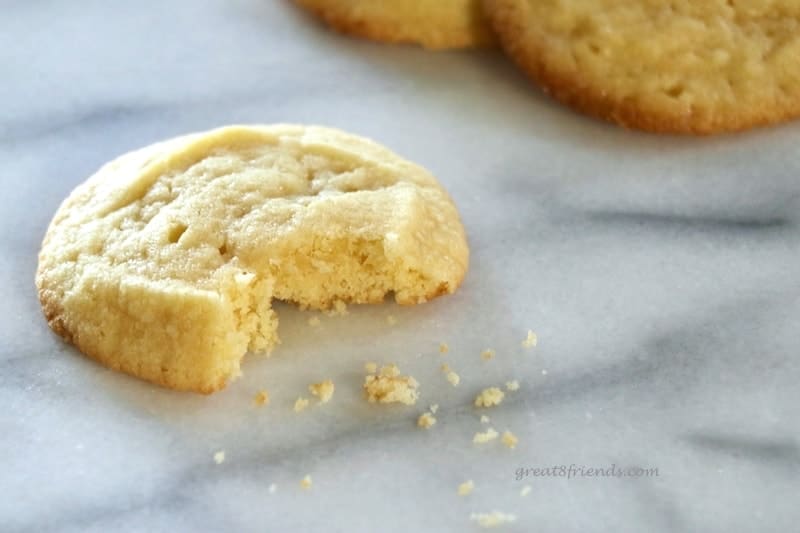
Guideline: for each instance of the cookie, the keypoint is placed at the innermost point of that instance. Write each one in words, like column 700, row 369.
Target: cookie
column 670, row 67
column 433, row 24
column 165, row 262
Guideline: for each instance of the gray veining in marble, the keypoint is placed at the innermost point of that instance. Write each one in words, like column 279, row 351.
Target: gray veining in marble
column 661, row 275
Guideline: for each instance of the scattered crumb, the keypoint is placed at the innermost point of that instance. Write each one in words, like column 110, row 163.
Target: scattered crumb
column 272, row 488
column 493, row 519
column 306, row 482
column 486, row 436
column 313, row 321
column 219, row 457
column 512, row 385
column 451, row 376
column 262, row 398
column 484, row 419
column 389, row 386
column 391, row 320
column 433, row 408
column 339, row 309
column 466, row 488
column 323, row 390
column 487, row 354
column 389, row 371
column 509, row 439
column 525, row 491
column 426, row 420
column 371, row 368
column 544, row 372
column 443, row 348
column 300, row 404
column 531, row 340
column 489, row 397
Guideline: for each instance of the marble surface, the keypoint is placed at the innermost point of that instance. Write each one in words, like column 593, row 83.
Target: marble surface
column 661, row 275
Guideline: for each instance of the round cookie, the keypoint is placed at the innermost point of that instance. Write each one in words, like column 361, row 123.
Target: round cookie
column 674, row 67
column 164, row 263
column 433, row 24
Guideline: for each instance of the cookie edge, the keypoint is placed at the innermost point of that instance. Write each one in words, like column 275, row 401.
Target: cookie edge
column 595, row 102
column 375, row 31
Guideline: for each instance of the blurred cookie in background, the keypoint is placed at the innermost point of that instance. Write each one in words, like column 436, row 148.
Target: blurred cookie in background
column 434, row 24
column 668, row 67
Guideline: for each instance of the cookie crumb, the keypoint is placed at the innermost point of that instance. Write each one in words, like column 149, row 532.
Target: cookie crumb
column 426, row 420
column 531, row 340
column 219, row 457
column 453, row 378
column 306, row 482
column 272, row 488
column 509, row 439
column 323, row 390
column 525, row 491
column 482, row 438
column 390, row 371
column 262, row 398
column 391, row 320
column 489, row 397
column 370, row 367
column 466, row 488
column 433, row 408
column 300, row 404
column 443, row 348
column 493, row 519
column 389, row 386
column 487, row 354
column 512, row 385
column 339, row 309
column 313, row 321
column 484, row 419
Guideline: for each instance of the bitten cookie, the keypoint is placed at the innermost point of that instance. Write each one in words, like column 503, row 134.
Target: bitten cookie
column 674, row 67
column 164, row 263
column 431, row 23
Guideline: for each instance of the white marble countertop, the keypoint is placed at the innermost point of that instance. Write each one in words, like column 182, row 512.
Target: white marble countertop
column 661, row 275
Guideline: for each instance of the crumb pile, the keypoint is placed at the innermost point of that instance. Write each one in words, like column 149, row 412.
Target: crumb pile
column 486, row 436
column 426, row 420
column 489, row 397
column 388, row 386
column 323, row 390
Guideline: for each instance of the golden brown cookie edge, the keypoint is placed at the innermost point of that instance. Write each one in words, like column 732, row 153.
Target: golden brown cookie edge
column 375, row 31
column 507, row 20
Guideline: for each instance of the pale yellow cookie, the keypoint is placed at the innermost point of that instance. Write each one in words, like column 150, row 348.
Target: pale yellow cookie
column 164, row 263
column 431, row 23
column 682, row 66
